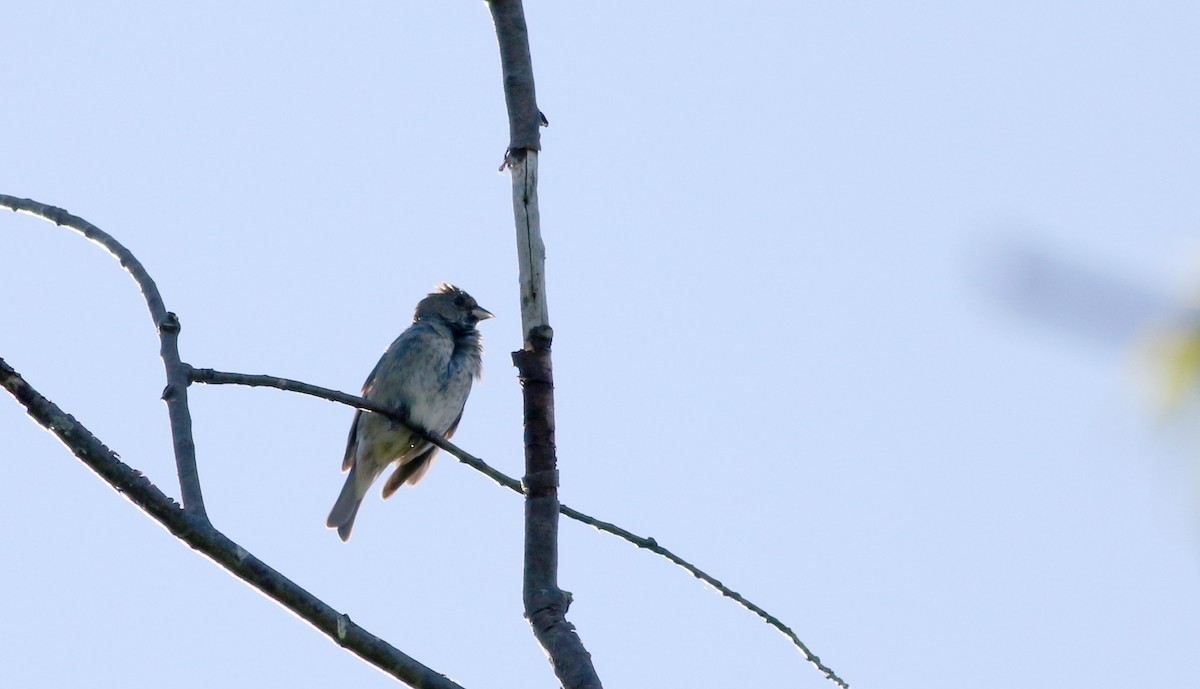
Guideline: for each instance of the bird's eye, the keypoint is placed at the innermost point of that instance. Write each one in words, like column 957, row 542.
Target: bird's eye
column 459, row 300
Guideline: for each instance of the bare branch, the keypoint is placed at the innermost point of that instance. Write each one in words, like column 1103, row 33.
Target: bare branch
column 208, row 375
column 212, row 377
column 531, row 250
column 199, row 533
column 653, row 546
column 545, row 603
column 127, row 480
column 524, row 119
column 167, row 326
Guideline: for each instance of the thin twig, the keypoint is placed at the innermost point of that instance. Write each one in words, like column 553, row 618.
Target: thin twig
column 653, row 546
column 200, row 534
column 210, row 376
column 129, row 481
column 167, row 326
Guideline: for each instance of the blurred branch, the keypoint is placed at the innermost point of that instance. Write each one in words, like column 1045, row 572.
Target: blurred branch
column 167, row 326
column 212, row 377
column 1102, row 307
column 1064, row 293
column 195, row 530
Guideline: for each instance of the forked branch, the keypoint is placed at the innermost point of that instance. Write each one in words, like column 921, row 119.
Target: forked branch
column 193, row 527
column 167, row 326
column 197, row 532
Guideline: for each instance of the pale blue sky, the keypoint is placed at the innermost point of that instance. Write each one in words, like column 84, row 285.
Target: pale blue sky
column 773, row 354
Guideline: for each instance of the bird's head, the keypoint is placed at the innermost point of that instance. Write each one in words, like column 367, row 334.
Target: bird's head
column 453, row 306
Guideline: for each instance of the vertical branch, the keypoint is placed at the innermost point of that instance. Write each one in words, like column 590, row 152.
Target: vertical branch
column 531, row 252
column 545, row 603
column 523, row 116
column 180, row 415
column 166, row 324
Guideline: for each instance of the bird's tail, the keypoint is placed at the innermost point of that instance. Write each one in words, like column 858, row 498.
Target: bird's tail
column 341, row 517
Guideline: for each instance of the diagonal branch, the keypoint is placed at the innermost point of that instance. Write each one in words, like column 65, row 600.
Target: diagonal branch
column 194, row 522
column 212, row 377
column 653, row 546
column 167, row 326
column 196, row 531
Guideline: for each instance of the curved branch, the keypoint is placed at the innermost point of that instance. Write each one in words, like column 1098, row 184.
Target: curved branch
column 196, row 531
column 167, row 326
column 212, row 377
column 192, row 522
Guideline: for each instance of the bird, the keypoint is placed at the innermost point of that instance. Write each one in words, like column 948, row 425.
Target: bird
column 427, row 374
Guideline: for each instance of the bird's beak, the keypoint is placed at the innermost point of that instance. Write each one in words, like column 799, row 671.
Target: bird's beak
column 481, row 313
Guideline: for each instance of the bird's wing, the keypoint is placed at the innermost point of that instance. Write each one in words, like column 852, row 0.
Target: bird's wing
column 414, row 469
column 410, row 471
column 454, row 426
column 351, row 443
column 369, row 384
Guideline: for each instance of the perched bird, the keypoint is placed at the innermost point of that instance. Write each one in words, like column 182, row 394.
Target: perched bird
column 427, row 372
